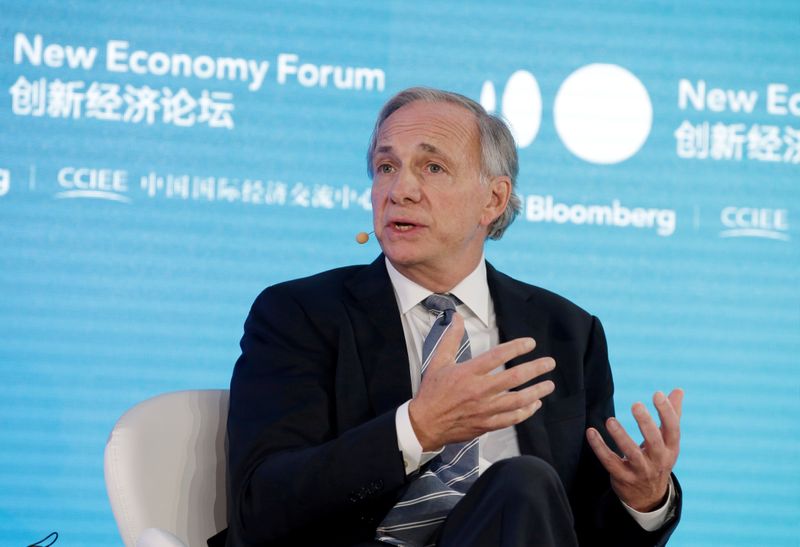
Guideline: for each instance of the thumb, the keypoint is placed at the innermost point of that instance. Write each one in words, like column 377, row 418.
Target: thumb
column 446, row 350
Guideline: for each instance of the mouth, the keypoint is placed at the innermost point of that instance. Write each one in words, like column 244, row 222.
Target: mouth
column 402, row 226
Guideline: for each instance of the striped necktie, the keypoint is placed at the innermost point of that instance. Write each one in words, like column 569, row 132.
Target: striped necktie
column 444, row 480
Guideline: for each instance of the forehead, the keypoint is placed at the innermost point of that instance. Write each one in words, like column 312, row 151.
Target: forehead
column 444, row 126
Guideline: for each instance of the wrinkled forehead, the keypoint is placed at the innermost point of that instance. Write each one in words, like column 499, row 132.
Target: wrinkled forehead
column 431, row 124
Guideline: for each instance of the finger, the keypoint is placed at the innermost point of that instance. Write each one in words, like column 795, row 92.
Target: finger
column 500, row 355
column 626, row 444
column 512, row 400
column 520, row 374
column 447, row 348
column 650, row 430
column 670, row 420
column 607, row 457
column 502, row 420
column 676, row 399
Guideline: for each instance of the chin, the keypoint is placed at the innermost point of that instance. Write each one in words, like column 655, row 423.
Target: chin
column 400, row 256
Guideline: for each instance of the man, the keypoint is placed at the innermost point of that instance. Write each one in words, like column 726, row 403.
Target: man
column 359, row 389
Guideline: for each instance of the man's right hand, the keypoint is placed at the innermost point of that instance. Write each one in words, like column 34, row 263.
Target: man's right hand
column 457, row 402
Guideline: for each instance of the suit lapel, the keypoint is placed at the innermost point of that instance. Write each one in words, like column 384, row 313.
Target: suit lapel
column 517, row 317
column 379, row 337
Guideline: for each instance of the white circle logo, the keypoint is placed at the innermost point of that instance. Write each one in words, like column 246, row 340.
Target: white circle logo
column 603, row 113
column 521, row 105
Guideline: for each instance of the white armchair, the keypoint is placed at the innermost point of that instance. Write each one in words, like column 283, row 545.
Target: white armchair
column 165, row 469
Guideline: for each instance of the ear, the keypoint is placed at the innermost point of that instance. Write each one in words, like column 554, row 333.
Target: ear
column 498, row 196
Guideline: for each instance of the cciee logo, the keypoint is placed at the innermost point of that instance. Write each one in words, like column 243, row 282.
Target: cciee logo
column 602, row 112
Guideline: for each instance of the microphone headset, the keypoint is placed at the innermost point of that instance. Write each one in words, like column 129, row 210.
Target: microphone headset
column 363, row 237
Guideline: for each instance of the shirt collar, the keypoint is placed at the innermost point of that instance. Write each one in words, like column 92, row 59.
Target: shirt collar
column 473, row 291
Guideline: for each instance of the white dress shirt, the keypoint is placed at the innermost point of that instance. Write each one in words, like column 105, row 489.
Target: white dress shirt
column 480, row 322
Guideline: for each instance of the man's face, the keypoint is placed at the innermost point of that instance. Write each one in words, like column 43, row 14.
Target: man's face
column 430, row 210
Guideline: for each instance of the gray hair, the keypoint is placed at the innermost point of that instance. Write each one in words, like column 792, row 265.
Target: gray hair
column 498, row 150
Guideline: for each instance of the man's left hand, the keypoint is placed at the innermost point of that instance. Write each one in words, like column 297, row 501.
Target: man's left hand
column 641, row 477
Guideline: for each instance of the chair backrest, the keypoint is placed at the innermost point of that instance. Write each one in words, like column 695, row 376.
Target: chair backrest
column 165, row 466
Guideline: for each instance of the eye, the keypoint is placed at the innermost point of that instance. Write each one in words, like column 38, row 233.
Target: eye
column 435, row 168
column 385, row 168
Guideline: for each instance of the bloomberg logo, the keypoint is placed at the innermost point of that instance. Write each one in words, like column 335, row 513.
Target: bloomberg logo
column 755, row 222
column 547, row 209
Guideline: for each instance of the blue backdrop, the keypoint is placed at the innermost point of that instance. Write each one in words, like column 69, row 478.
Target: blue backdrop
column 160, row 163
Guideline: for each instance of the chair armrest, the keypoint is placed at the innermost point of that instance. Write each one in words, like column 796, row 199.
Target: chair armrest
column 156, row 537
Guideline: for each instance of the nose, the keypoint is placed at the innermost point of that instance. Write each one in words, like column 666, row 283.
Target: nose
column 405, row 187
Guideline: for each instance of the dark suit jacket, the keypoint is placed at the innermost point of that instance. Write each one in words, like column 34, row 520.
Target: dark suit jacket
column 313, row 456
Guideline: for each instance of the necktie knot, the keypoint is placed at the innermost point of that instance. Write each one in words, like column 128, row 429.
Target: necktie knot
column 441, row 304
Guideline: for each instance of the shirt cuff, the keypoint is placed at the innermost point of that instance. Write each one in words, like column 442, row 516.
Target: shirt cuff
column 407, row 442
column 655, row 519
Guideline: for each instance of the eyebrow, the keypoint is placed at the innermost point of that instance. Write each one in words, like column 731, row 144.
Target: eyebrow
column 386, row 148
column 429, row 148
